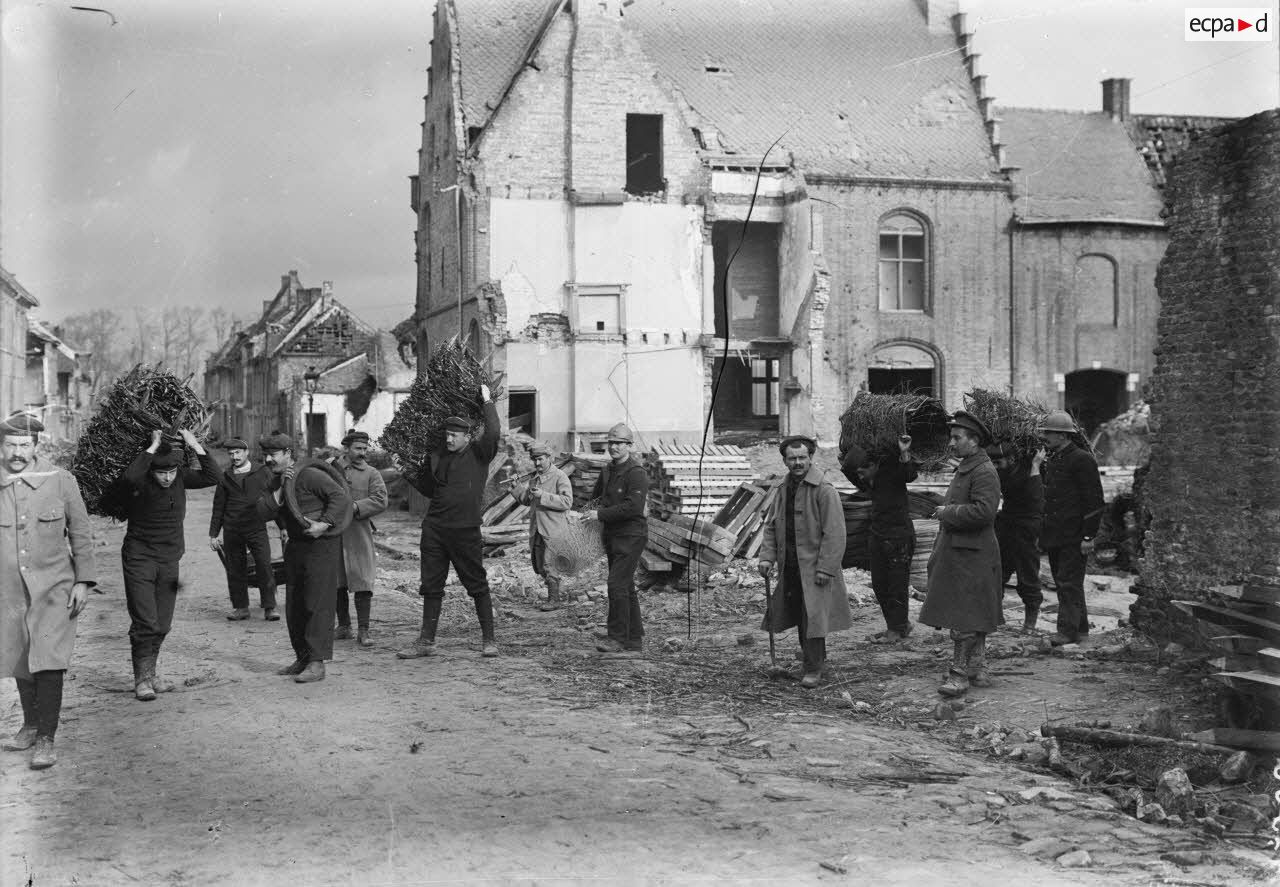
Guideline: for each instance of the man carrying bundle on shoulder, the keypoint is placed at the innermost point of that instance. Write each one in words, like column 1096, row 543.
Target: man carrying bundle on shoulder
column 156, row 487
column 454, row 479
column 884, row 476
column 235, row 516
column 308, row 499
column 1018, row 525
column 549, row 496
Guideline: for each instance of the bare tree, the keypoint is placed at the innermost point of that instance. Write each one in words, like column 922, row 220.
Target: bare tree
column 99, row 332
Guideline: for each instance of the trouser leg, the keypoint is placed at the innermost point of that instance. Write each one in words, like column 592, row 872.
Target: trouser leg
column 625, row 623
column 1067, row 565
column 342, row 607
column 27, row 696
column 319, row 591
column 294, row 610
column 364, row 602
column 466, row 553
column 166, row 602
column 259, row 546
column 431, row 606
column 234, row 546
column 891, row 579
column 141, row 577
column 48, row 691
column 1025, row 559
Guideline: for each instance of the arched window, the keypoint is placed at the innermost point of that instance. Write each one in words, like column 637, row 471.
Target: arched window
column 904, row 251
column 1096, row 290
column 473, row 338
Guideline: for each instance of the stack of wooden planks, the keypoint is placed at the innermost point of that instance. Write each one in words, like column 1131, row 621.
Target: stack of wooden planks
column 744, row 514
column 1242, row 626
column 686, row 541
column 505, row 521
column 585, row 471
column 675, row 486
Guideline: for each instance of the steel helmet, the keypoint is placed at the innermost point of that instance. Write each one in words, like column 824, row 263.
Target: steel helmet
column 1059, row 421
column 621, row 433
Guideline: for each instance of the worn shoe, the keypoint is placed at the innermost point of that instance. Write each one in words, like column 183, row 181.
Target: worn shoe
column 811, row 680
column 143, row 691
column 956, row 684
column 417, row 650
column 312, row 673
column 238, row 614
column 271, row 614
column 297, row 668
column 1058, row 639
column 609, row 645
column 161, row 684
column 342, row 632
column 489, row 649
column 44, row 756
column 889, row 636
column 549, row 606
column 22, row 740
column 362, row 637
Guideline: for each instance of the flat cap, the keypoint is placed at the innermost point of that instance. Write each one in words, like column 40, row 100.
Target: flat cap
column 166, row 457
column 801, row 439
column 21, row 423
column 355, row 437
column 970, row 422
column 538, row 448
column 234, row 443
column 276, row 440
column 457, row 423
column 620, row 433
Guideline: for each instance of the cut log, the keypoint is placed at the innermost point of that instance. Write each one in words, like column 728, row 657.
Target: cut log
column 1121, row 739
column 1233, row 737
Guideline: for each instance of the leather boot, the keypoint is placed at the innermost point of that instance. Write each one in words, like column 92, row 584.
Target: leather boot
column 364, row 601
column 815, row 657
column 44, row 756
column 425, row 645
column 484, row 612
column 312, row 673
column 976, row 664
column 158, row 683
column 22, row 740
column 143, row 691
column 554, row 601
column 1030, row 619
column 956, row 682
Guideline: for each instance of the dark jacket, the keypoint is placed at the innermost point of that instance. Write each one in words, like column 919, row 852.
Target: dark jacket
column 622, row 492
column 1073, row 501
column 890, row 512
column 156, row 513
column 455, row 482
column 1022, row 496
column 235, row 501
column 320, row 498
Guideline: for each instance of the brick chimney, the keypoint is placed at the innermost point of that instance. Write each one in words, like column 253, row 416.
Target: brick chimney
column 938, row 14
column 1115, row 98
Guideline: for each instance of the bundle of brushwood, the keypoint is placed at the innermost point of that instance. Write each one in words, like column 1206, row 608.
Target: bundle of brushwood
column 857, row 525
column 577, row 548
column 1013, row 420
column 874, row 422
column 141, row 401
column 449, row 388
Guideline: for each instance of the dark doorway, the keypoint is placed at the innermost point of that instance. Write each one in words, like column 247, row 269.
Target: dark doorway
column 747, row 289
column 900, row 382
column 748, row 394
column 522, row 411
column 317, row 430
column 1094, row 396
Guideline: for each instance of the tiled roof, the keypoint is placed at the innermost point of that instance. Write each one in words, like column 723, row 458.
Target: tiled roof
column 493, row 36
column 1160, row 137
column 1076, row 165
column 853, row 88
column 9, row 284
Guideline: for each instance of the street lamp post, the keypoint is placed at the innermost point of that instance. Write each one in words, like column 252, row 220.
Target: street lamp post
column 311, row 379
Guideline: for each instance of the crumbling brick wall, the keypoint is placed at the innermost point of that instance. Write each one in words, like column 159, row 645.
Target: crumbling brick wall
column 1214, row 487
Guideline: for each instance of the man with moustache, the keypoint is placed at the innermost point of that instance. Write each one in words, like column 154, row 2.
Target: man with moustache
column 964, row 567
column 46, row 570
column 235, row 516
column 156, row 485
column 549, row 496
column 369, row 495
column 454, row 479
column 806, row 536
column 309, row 501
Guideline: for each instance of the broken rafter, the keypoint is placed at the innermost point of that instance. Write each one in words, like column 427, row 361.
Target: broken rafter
column 1121, row 739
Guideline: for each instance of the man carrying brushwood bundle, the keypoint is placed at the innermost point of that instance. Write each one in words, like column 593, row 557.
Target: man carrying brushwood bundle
column 1018, row 525
column 156, row 485
column 806, row 534
column 454, row 479
column 46, row 570
column 308, row 500
column 549, row 496
column 622, row 490
column 964, row 568
column 884, row 476
column 369, row 493
column 1073, row 505
column 235, row 516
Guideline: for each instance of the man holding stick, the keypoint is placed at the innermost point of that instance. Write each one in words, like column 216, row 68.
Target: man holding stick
column 549, row 496
column 235, row 516
column 806, row 535
column 157, row 482
column 454, row 480
column 46, row 570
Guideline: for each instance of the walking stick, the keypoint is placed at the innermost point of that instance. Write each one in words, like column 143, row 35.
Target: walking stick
column 775, row 671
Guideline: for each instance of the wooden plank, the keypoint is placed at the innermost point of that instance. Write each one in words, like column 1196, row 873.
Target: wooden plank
column 1254, row 683
column 1229, row 644
column 653, row 563
column 1234, row 737
column 1249, row 594
column 1234, row 619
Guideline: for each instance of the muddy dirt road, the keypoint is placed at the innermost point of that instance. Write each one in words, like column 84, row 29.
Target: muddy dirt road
column 544, row 766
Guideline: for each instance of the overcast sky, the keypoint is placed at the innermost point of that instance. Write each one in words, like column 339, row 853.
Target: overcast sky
column 195, row 150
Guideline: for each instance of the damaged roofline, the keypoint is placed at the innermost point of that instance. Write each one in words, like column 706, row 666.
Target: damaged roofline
column 821, row 178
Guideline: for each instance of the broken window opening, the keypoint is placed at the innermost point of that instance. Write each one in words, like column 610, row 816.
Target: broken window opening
column 644, row 154
column 903, row 271
column 764, row 387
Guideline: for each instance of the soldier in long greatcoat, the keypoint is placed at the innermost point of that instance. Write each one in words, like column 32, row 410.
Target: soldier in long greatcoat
column 46, row 570
column 369, row 497
column 964, row 568
column 806, row 538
